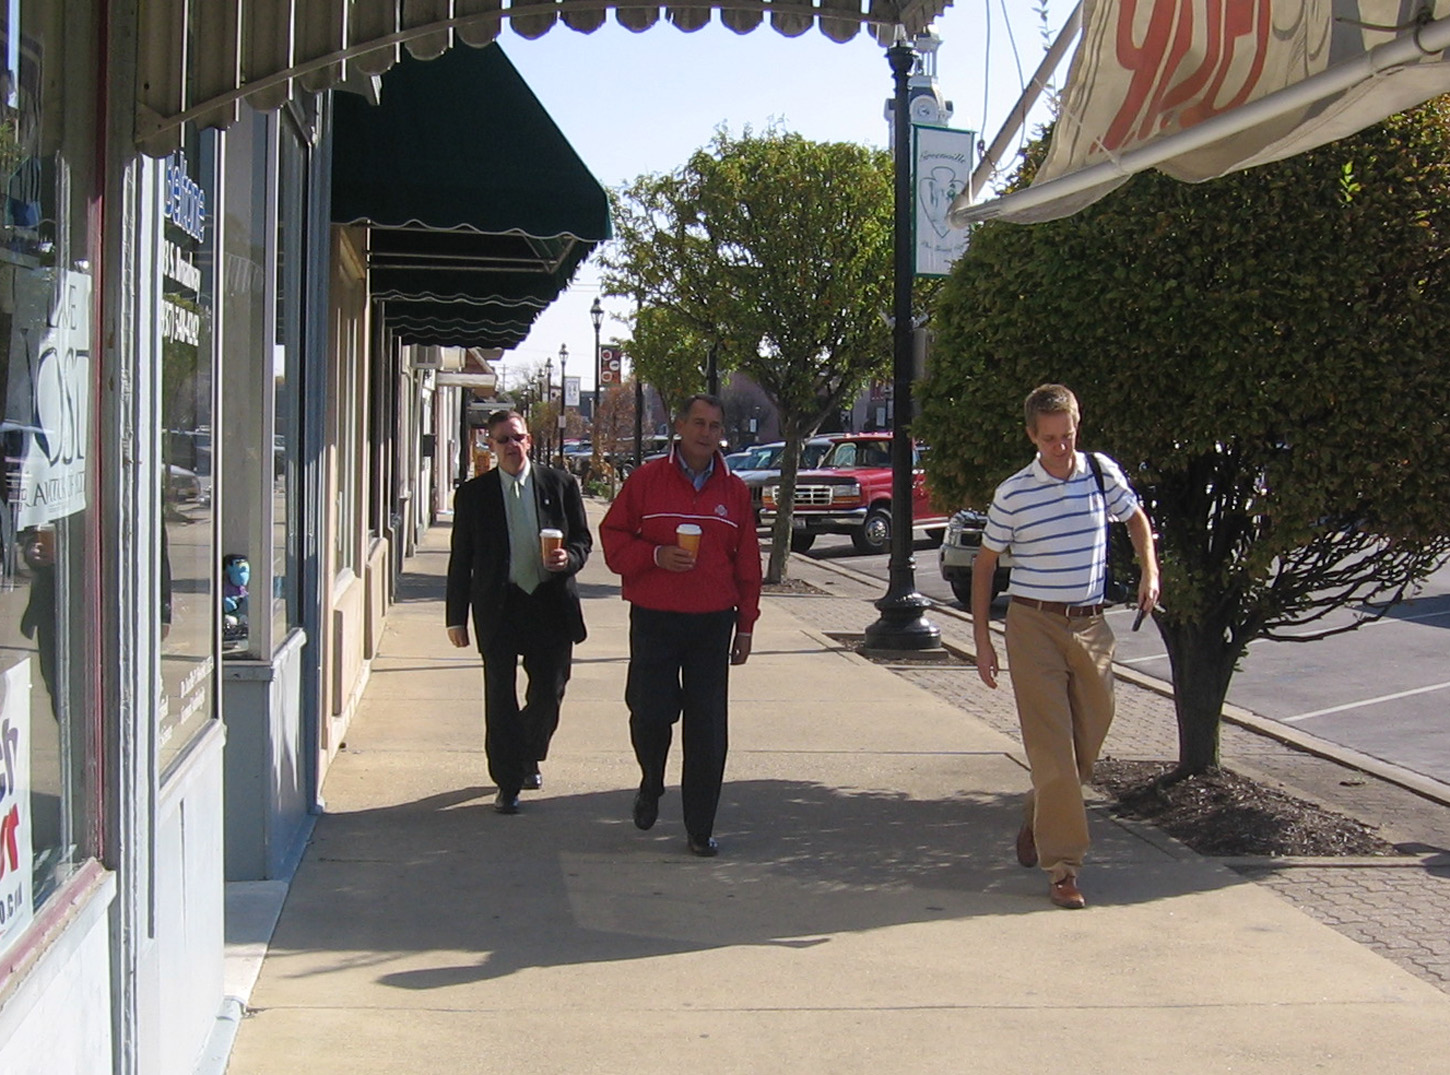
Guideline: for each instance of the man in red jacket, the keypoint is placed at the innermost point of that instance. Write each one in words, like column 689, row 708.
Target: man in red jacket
column 691, row 615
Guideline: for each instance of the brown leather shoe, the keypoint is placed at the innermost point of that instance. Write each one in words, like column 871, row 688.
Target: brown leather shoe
column 1065, row 893
column 1026, row 846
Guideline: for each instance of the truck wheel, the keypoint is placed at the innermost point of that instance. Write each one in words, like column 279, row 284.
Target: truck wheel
column 801, row 540
column 875, row 532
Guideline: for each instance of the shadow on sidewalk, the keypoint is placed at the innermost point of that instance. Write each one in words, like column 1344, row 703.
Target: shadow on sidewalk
column 416, row 587
column 570, row 881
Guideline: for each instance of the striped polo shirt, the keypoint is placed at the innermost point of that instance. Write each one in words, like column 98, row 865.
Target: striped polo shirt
column 1055, row 529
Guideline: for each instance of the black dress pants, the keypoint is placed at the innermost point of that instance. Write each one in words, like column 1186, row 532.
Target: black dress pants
column 516, row 738
column 679, row 667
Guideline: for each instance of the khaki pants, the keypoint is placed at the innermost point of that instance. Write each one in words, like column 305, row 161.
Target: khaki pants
column 1062, row 677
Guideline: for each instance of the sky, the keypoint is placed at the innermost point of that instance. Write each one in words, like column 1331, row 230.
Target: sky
column 632, row 104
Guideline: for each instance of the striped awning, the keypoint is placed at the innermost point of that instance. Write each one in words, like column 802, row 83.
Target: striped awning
column 199, row 59
column 477, row 208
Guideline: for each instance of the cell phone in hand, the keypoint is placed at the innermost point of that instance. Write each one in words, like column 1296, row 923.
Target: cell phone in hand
column 1138, row 619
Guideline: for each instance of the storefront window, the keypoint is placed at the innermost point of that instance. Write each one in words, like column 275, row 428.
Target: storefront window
column 251, row 465
column 189, row 563
column 48, row 537
column 286, row 373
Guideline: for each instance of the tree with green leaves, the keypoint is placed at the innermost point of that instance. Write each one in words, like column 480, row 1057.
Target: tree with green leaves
column 1265, row 354
column 668, row 352
column 775, row 252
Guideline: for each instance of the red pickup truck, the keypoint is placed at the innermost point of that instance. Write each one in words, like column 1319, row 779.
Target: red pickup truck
column 849, row 492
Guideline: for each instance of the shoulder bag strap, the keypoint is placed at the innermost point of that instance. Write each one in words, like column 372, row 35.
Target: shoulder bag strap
column 1097, row 469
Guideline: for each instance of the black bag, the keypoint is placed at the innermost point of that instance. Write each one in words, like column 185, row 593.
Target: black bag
column 1121, row 574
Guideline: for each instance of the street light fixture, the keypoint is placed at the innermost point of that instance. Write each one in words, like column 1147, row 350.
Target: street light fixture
column 563, row 381
column 903, row 624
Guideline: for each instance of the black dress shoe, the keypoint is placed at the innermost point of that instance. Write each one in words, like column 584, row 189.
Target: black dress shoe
column 533, row 782
column 506, row 802
column 646, row 809
column 706, row 848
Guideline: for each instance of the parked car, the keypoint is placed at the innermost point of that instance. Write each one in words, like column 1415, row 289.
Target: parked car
column 765, row 467
column 958, row 552
column 849, row 492
column 736, row 460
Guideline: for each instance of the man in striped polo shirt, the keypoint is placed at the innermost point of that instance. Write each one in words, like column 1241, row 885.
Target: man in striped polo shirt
column 1053, row 518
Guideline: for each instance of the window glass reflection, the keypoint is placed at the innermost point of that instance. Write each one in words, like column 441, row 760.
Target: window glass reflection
column 189, row 605
column 47, row 537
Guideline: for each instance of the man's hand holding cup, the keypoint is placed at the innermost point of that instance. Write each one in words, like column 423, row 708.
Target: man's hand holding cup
column 681, row 555
column 551, row 549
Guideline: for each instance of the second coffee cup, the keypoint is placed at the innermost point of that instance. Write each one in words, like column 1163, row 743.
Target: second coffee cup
column 687, row 537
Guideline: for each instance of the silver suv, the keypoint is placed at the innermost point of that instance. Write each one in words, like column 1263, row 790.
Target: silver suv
column 959, row 550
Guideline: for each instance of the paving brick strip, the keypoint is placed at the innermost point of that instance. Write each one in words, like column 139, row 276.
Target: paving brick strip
column 1397, row 906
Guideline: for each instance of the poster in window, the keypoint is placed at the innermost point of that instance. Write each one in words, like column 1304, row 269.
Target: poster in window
column 16, row 851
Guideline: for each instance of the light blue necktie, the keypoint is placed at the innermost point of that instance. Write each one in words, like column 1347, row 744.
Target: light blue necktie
column 526, row 568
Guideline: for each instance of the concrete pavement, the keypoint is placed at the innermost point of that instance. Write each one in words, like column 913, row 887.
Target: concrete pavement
column 865, row 911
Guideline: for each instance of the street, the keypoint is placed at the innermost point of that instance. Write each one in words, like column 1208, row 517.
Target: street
column 1382, row 689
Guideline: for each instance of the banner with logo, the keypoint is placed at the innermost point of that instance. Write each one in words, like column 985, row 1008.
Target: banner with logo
column 942, row 168
column 611, row 366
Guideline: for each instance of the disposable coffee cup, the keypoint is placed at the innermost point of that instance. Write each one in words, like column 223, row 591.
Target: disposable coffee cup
column 550, row 539
column 687, row 537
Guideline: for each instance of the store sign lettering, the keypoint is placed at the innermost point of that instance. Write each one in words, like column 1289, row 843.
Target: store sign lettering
column 180, row 324
column 185, row 201
column 177, row 266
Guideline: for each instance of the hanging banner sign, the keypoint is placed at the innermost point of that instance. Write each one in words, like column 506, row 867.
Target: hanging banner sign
column 611, row 366
column 942, row 169
column 571, row 391
column 48, row 398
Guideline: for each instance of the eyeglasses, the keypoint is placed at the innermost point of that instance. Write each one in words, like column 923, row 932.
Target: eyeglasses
column 511, row 438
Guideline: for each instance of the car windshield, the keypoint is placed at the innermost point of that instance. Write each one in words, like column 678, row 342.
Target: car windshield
column 851, row 453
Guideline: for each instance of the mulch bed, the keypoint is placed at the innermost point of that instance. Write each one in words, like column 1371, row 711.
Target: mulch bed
column 793, row 586
column 1222, row 813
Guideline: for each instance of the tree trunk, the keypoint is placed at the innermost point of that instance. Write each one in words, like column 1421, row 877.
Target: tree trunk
column 780, row 530
column 1203, row 664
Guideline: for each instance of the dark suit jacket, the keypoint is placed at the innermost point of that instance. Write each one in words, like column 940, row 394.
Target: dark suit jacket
column 478, row 567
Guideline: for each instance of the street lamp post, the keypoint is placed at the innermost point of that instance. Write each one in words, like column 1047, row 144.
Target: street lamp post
column 903, row 624
column 596, row 315
column 563, row 381
column 638, row 419
column 544, row 401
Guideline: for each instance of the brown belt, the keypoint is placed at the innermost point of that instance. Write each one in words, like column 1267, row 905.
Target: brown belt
column 1072, row 612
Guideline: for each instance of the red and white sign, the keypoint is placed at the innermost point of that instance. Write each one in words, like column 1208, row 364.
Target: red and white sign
column 611, row 366
column 17, row 900
column 1146, row 71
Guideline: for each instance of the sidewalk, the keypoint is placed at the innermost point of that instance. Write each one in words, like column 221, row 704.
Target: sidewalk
column 865, row 912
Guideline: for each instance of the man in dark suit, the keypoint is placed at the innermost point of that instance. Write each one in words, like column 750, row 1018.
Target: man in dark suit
column 524, row 600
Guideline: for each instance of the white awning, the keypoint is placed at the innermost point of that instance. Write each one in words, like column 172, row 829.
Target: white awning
column 467, row 380
column 1211, row 91
column 199, row 59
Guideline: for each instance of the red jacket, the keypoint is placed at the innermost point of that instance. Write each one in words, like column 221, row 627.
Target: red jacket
column 657, row 498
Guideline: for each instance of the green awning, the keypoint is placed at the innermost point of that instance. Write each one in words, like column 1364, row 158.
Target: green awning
column 477, row 205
